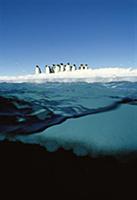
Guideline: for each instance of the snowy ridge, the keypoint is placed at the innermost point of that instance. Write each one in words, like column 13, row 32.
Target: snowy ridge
column 89, row 75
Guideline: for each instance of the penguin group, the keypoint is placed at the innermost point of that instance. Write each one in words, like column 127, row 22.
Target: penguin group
column 55, row 68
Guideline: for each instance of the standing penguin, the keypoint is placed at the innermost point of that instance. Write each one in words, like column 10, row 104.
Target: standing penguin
column 57, row 68
column 73, row 68
column 37, row 70
column 86, row 66
column 67, row 67
column 61, row 67
column 47, row 69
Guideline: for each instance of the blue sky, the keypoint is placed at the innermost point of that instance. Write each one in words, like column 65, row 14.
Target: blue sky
column 97, row 32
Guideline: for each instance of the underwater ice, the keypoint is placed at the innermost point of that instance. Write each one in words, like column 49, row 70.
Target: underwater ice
column 108, row 131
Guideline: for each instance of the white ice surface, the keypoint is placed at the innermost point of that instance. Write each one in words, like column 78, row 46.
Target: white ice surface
column 90, row 75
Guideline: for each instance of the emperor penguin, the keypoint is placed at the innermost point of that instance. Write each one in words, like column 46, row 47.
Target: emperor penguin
column 37, row 70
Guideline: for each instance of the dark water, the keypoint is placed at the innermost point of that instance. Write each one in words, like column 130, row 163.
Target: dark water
column 86, row 117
